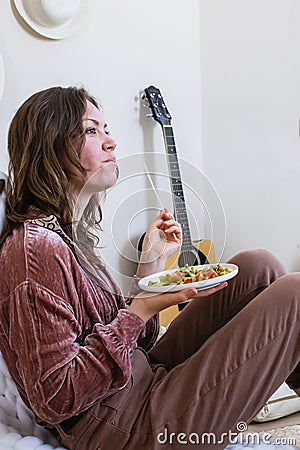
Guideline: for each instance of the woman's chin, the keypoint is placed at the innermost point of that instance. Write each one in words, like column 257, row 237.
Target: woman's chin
column 101, row 181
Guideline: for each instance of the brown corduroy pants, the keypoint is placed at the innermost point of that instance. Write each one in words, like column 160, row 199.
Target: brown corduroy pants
column 210, row 373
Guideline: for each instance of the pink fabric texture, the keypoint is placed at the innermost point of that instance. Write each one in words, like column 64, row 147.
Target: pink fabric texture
column 67, row 341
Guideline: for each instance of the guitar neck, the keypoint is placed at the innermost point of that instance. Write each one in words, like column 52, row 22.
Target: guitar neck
column 180, row 212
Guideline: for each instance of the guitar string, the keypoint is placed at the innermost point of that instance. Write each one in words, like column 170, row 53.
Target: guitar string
column 188, row 256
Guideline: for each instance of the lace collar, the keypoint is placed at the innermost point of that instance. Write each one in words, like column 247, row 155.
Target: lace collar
column 50, row 222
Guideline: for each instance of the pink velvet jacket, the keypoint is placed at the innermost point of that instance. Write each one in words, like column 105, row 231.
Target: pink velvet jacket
column 66, row 339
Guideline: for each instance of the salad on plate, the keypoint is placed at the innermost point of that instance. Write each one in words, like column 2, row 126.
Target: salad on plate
column 190, row 274
column 200, row 277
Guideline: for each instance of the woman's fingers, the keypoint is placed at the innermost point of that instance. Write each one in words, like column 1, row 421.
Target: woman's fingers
column 173, row 229
column 212, row 290
column 171, row 226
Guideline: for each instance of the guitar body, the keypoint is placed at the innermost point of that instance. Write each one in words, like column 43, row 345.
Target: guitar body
column 202, row 252
column 192, row 253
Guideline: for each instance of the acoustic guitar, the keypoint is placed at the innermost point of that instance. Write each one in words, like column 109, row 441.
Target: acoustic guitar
column 192, row 252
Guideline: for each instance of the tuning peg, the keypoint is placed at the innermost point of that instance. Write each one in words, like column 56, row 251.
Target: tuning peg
column 145, row 105
column 149, row 115
column 143, row 95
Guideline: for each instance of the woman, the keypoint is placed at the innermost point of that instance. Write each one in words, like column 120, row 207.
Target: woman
column 84, row 358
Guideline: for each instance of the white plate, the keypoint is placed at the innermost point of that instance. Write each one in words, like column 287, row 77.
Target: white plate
column 199, row 285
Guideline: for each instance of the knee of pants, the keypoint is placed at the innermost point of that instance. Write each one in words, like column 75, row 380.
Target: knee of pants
column 260, row 262
column 288, row 288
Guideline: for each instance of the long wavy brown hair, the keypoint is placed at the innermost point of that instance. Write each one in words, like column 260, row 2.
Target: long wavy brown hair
column 45, row 140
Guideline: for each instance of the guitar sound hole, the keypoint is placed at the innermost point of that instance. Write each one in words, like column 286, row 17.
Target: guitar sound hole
column 191, row 258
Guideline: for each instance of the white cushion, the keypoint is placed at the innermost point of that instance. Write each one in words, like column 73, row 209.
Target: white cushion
column 18, row 430
column 282, row 403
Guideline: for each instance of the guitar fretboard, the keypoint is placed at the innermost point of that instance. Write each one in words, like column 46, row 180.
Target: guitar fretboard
column 180, row 212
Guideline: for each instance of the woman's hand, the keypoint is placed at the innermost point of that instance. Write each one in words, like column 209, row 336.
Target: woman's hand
column 162, row 239
column 146, row 304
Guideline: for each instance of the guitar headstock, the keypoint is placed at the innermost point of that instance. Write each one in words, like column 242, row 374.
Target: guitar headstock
column 158, row 106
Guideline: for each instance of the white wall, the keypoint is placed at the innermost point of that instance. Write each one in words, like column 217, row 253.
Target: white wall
column 122, row 48
column 250, row 71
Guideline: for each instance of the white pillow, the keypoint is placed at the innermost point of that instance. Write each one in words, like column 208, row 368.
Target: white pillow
column 282, row 403
column 18, row 429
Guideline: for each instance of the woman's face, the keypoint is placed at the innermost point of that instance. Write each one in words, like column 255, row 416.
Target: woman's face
column 97, row 156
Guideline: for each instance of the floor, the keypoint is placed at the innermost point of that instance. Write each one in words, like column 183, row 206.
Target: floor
column 284, row 427
column 294, row 419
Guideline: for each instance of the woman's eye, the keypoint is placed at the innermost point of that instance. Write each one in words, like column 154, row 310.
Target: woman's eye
column 107, row 132
column 91, row 130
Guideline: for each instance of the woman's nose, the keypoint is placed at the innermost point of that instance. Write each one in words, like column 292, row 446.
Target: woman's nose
column 109, row 145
